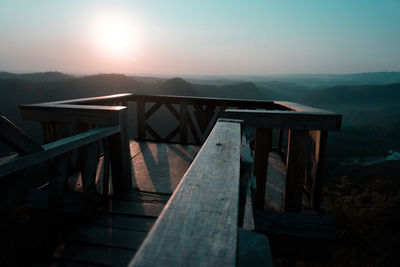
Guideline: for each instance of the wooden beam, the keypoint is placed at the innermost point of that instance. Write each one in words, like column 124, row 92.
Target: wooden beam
column 198, row 226
column 152, row 132
column 72, row 113
column 317, row 188
column 296, row 170
column 172, row 134
column 16, row 139
column 153, row 109
column 121, row 164
column 173, row 111
column 141, row 119
column 106, row 166
column 183, row 124
column 263, row 144
column 296, row 120
column 89, row 159
column 55, row 149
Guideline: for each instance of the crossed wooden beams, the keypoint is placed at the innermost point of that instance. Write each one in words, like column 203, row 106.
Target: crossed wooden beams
column 199, row 119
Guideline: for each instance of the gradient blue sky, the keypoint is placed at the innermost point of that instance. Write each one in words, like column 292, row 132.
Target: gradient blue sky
column 203, row 37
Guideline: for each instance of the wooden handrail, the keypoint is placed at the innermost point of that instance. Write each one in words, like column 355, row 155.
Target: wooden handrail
column 55, row 149
column 310, row 119
column 199, row 224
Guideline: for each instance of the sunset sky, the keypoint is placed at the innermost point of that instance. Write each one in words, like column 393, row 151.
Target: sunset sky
column 205, row 37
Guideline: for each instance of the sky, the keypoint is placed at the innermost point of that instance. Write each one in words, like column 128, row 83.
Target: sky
column 206, row 37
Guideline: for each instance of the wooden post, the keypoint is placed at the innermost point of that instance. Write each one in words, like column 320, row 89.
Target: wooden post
column 317, row 188
column 89, row 158
column 296, row 170
column 263, row 144
column 120, row 157
column 48, row 131
column 106, row 166
column 141, row 120
column 183, row 121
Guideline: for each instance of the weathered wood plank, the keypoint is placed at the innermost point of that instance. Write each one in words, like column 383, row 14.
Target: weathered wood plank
column 174, row 99
column 276, row 119
column 16, row 139
column 72, row 113
column 56, row 148
column 199, row 222
column 263, row 144
column 160, row 167
column 296, row 170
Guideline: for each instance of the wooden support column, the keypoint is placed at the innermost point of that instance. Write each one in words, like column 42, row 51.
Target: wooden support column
column 106, row 166
column 49, row 134
column 89, row 158
column 184, row 115
column 317, row 187
column 120, row 157
column 296, row 170
column 263, row 144
column 141, row 120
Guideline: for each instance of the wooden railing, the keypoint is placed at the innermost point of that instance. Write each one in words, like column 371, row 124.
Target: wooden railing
column 200, row 221
column 57, row 154
column 304, row 154
column 303, row 150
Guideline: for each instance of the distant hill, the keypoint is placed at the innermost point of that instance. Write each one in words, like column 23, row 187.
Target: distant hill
column 280, row 90
column 179, row 86
column 366, row 94
column 37, row 76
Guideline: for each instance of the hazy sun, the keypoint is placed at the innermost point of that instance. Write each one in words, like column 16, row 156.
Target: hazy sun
column 116, row 37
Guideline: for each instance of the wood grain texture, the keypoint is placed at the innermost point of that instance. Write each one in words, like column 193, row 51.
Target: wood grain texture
column 198, row 227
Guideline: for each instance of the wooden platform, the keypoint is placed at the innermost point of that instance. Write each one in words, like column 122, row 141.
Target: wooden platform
column 111, row 235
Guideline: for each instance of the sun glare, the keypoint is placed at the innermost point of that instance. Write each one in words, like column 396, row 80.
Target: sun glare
column 116, row 37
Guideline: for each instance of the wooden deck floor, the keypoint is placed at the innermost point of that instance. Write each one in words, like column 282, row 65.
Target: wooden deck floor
column 111, row 236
